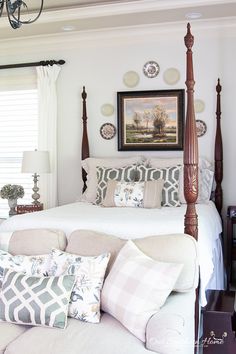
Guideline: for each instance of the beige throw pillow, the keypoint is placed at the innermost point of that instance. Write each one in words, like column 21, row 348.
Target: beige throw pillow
column 134, row 194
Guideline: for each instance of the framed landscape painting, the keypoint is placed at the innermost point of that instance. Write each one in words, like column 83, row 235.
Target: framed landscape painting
column 150, row 120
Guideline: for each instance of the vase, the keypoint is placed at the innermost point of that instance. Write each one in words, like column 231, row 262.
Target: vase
column 12, row 205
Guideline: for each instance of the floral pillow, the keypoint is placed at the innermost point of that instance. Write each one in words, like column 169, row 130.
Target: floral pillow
column 30, row 265
column 104, row 174
column 89, row 272
column 134, row 194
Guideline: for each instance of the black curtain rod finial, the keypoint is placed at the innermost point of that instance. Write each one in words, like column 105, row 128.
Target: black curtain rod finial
column 52, row 62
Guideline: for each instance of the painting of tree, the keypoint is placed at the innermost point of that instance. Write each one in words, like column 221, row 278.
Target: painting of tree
column 151, row 120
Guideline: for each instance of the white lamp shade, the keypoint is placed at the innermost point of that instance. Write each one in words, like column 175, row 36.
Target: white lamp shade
column 35, row 162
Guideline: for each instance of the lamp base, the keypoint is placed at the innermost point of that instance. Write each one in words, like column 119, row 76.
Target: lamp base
column 35, row 195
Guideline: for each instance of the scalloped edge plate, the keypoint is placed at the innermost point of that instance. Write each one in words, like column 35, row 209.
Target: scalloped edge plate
column 151, row 69
column 201, row 127
column 107, row 131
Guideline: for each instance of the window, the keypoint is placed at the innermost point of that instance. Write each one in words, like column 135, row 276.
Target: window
column 18, row 133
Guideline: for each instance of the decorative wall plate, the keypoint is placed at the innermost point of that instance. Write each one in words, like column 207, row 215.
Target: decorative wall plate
column 107, row 109
column 108, row 131
column 151, row 69
column 199, row 106
column 171, row 76
column 201, row 127
column 131, row 79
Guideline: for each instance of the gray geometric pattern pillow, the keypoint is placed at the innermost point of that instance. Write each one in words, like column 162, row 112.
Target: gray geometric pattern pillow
column 38, row 301
column 170, row 175
column 104, row 174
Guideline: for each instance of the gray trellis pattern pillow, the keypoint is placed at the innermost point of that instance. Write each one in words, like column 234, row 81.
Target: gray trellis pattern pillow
column 37, row 301
column 170, row 175
column 104, row 174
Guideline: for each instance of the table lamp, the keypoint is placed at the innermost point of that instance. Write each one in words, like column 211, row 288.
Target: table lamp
column 35, row 162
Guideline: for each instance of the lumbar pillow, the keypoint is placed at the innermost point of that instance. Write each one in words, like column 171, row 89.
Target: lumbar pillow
column 38, row 301
column 170, row 175
column 134, row 194
column 136, row 288
column 105, row 174
column 31, row 265
column 89, row 273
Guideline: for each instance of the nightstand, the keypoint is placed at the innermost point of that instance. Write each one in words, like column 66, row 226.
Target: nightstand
column 219, row 323
column 28, row 208
column 231, row 243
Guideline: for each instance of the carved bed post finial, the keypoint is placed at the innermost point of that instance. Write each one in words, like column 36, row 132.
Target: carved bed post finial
column 85, row 143
column 190, row 146
column 218, row 153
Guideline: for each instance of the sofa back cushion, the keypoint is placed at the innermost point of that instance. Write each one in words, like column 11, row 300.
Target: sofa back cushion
column 32, row 242
column 176, row 248
column 91, row 243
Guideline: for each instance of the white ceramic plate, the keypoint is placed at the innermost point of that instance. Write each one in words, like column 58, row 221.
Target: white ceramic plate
column 107, row 109
column 199, row 106
column 201, row 127
column 131, row 79
column 151, row 69
column 108, row 131
column 171, row 76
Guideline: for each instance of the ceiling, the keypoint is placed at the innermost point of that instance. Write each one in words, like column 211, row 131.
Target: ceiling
column 59, row 16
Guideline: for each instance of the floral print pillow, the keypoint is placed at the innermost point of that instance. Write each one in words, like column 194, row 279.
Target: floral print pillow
column 129, row 194
column 30, row 265
column 89, row 272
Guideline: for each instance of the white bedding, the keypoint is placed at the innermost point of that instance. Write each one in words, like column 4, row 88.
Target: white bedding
column 131, row 223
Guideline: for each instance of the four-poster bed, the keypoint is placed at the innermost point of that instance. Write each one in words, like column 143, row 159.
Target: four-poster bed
column 129, row 223
column 191, row 155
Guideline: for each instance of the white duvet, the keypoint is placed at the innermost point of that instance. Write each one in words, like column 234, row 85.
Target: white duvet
column 128, row 223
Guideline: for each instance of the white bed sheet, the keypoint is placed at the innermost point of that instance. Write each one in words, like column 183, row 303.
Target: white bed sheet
column 129, row 223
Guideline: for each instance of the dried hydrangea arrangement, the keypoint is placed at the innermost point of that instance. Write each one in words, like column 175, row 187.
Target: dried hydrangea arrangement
column 12, row 191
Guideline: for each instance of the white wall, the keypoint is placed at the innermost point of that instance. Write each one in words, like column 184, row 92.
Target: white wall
column 99, row 60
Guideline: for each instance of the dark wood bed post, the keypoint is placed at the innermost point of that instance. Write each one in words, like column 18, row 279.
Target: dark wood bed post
column 191, row 160
column 218, row 154
column 85, row 143
column 190, row 147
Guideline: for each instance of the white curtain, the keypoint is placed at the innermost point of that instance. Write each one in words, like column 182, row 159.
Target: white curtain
column 47, row 78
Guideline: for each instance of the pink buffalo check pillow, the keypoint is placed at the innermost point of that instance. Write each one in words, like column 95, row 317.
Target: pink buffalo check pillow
column 137, row 287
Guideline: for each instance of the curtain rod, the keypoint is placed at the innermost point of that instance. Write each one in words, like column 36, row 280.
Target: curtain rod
column 39, row 63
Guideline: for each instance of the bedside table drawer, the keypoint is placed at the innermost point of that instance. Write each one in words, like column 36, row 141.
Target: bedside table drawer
column 28, row 208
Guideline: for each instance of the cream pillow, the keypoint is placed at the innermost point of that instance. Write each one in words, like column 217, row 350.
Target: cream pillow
column 137, row 287
column 90, row 164
column 134, row 194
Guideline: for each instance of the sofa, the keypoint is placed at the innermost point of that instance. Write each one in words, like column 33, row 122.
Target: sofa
column 169, row 331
